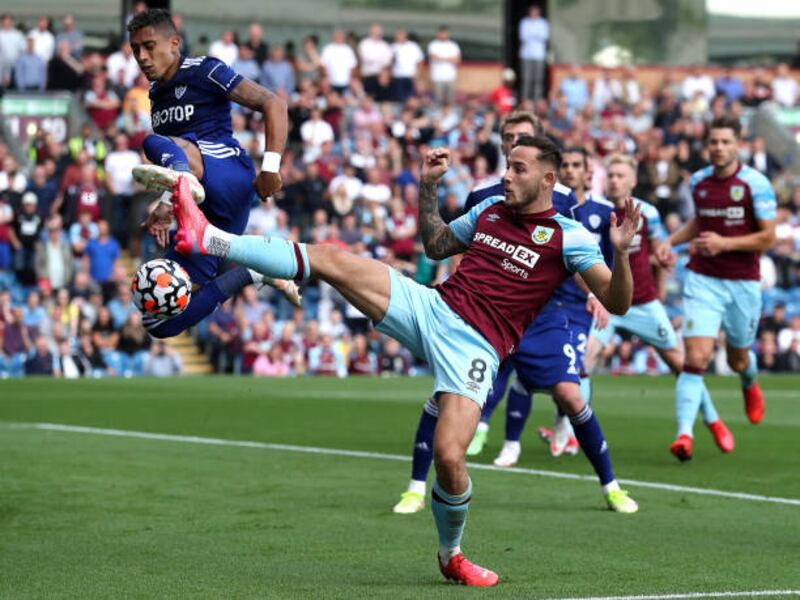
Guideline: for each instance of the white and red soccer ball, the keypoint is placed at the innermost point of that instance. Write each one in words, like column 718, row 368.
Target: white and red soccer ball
column 161, row 288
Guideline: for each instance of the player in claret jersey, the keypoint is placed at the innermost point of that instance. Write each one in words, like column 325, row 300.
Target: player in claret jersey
column 518, row 250
column 734, row 222
column 647, row 317
column 191, row 114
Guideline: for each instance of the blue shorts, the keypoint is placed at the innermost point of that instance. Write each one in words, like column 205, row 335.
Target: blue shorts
column 462, row 360
column 228, row 180
column 648, row 321
column 710, row 303
column 580, row 323
column 546, row 354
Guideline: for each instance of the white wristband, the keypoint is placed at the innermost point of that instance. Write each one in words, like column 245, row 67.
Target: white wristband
column 271, row 162
column 166, row 198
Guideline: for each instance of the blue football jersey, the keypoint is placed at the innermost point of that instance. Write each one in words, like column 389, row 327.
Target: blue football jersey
column 194, row 103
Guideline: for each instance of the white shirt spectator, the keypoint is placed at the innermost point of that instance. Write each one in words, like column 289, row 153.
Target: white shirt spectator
column 376, row 192
column 698, row 82
column 226, row 52
column 533, row 36
column 119, row 167
column 339, row 61
column 119, row 62
column 12, row 44
column 786, row 337
column 375, row 55
column 352, row 186
column 16, row 183
column 407, row 56
column 785, row 90
column 44, row 43
column 443, row 70
column 314, row 133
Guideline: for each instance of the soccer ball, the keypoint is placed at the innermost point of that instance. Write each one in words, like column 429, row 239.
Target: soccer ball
column 161, row 288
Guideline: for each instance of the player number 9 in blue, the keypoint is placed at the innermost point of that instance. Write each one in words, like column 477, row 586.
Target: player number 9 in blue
column 569, row 352
column 478, row 371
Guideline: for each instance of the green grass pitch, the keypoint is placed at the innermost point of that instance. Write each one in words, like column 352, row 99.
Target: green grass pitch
column 97, row 516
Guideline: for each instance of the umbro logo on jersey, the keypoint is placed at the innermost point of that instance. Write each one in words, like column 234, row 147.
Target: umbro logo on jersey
column 180, row 91
column 493, row 217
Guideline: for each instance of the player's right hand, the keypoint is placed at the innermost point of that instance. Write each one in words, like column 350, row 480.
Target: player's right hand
column 437, row 161
column 664, row 255
column 158, row 223
column 266, row 184
column 598, row 311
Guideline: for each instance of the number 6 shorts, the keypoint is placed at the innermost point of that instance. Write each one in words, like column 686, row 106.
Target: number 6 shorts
column 462, row 360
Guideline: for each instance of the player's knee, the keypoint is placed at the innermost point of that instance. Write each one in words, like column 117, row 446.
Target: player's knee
column 449, row 458
column 697, row 358
column 738, row 362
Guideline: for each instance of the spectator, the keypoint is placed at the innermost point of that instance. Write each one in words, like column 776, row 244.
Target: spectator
column 394, row 360
column 85, row 195
column 119, row 180
column 698, row 81
column 28, row 227
column 246, row 64
column 30, row 71
column 307, row 64
column 775, row 322
column 123, row 61
column 225, row 48
column 44, row 188
column 41, row 361
column 761, row 160
column 407, row 55
column 65, row 72
column 134, row 342
column 91, row 359
column 103, row 253
column 785, row 89
column 374, row 55
column 664, row 175
column 277, row 73
column 106, row 338
column 315, row 132
column 344, row 190
column 575, row 89
column 102, row 104
column 339, row 60
column 444, row 55
column 502, row 97
column 68, row 362
column 12, row 180
column 43, row 40
column 81, row 231
column 14, row 337
column 122, row 306
column 534, row 32
column 401, row 228
column 54, row 256
column 255, row 42
column 271, row 363
column 162, row 361
column 326, row 359
column 72, row 36
column 730, row 86
column 789, row 335
column 12, row 45
column 362, row 361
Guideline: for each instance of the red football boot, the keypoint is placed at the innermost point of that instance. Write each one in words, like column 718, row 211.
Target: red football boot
column 722, row 436
column 754, row 403
column 460, row 570
column 192, row 222
column 682, row 448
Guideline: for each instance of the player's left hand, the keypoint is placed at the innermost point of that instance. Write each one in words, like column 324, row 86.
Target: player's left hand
column 622, row 235
column 266, row 184
column 158, row 224
column 709, row 243
column 598, row 312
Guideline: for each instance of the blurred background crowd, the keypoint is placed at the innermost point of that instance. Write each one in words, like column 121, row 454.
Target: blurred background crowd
column 362, row 112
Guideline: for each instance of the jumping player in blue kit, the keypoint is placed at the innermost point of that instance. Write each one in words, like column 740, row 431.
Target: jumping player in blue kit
column 191, row 116
column 546, row 358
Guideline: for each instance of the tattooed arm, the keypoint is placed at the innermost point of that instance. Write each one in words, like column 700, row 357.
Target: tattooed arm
column 276, row 126
column 439, row 240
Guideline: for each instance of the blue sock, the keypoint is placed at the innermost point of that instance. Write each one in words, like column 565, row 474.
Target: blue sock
column 586, row 389
column 707, row 407
column 749, row 375
column 688, row 397
column 204, row 301
column 499, row 387
column 450, row 514
column 423, row 446
column 161, row 150
column 272, row 256
column 518, row 408
column 593, row 443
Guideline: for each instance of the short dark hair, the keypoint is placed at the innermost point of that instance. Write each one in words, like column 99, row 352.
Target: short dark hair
column 548, row 151
column 578, row 150
column 157, row 18
column 727, row 122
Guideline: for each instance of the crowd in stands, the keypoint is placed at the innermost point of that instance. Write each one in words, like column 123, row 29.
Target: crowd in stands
column 362, row 112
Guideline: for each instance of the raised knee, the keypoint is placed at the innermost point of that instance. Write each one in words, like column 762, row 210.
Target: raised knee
column 738, row 363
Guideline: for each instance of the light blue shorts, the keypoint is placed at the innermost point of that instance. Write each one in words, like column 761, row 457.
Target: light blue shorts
column 649, row 322
column 710, row 303
column 462, row 360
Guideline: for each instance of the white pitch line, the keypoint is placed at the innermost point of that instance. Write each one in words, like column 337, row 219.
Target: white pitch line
column 753, row 594
column 210, row 441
